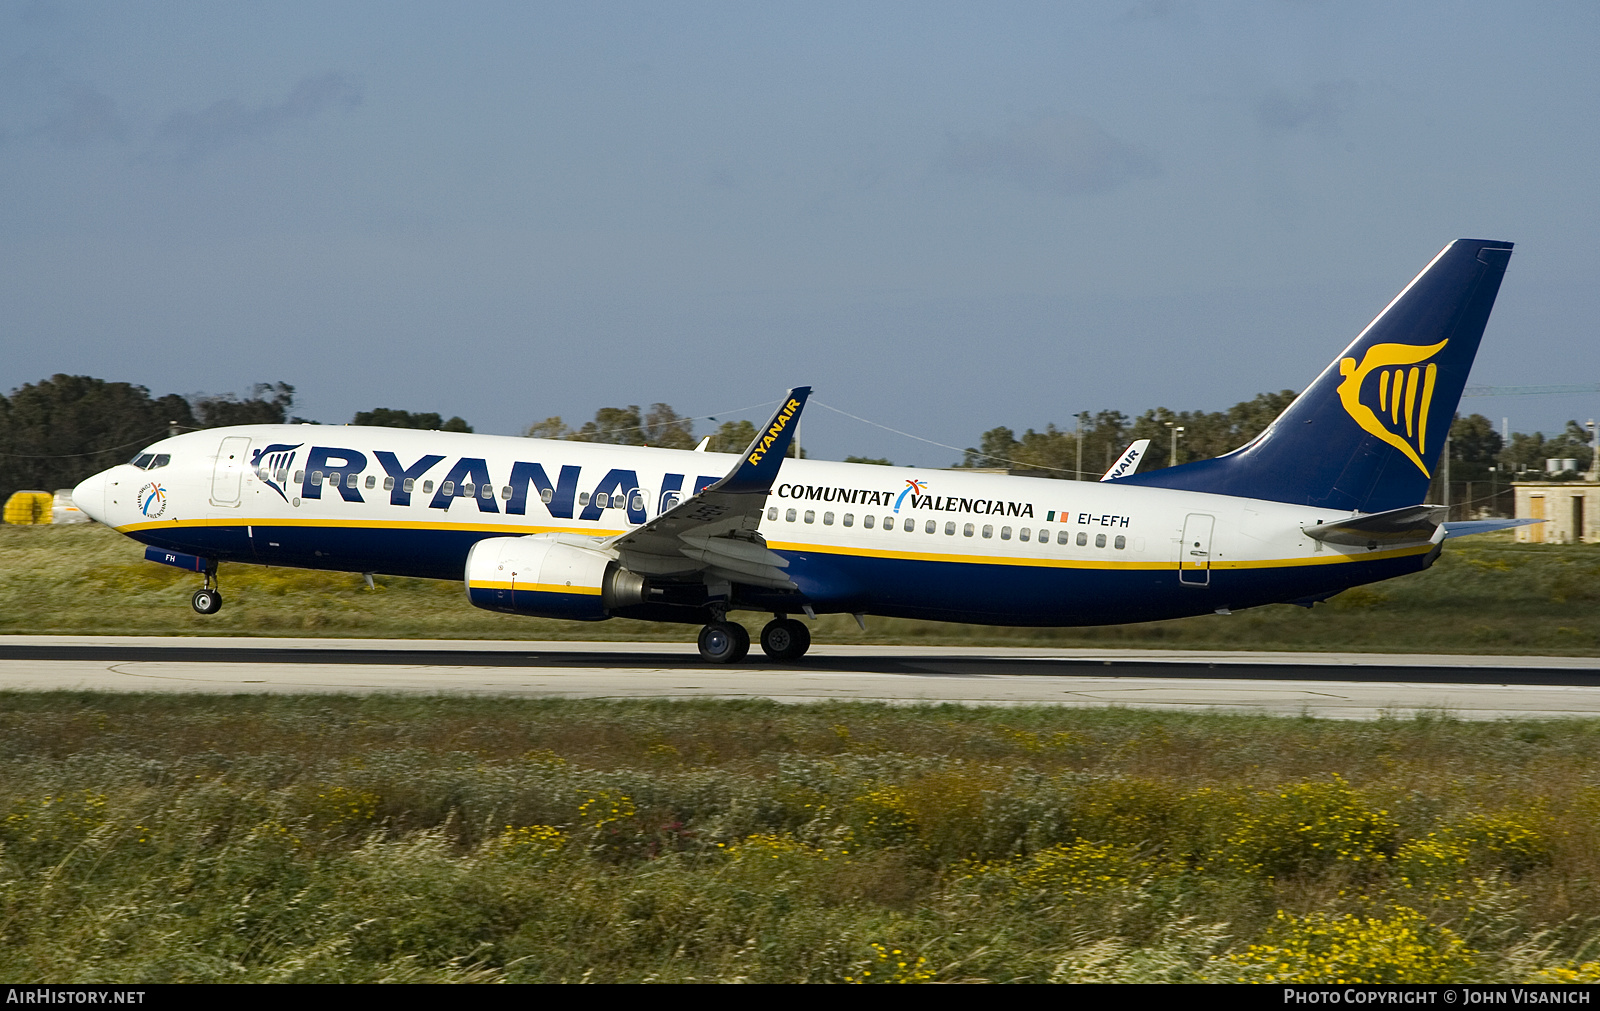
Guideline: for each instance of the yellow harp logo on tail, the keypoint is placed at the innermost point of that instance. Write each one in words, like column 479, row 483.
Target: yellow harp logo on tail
column 1402, row 392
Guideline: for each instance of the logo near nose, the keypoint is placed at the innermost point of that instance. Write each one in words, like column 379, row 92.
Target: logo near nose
column 152, row 500
column 1394, row 407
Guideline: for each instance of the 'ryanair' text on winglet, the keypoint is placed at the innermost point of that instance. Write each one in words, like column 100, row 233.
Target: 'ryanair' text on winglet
column 759, row 468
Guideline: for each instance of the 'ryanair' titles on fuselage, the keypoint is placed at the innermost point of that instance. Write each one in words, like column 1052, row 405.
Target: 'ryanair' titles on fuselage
column 878, row 497
column 468, row 478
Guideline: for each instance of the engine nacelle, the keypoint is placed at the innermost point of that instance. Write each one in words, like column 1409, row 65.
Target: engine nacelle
column 550, row 576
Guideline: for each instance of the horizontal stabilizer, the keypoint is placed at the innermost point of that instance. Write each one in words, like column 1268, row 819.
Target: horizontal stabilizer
column 1461, row 528
column 1406, row 525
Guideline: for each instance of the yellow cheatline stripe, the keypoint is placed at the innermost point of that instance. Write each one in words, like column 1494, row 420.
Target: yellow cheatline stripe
column 497, row 528
column 1081, row 563
column 494, row 584
column 1334, row 558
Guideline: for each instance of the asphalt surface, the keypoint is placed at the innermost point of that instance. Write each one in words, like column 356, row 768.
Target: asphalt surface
column 1348, row 686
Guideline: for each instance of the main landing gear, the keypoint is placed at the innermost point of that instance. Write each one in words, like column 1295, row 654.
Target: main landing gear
column 209, row 599
column 785, row 639
column 724, row 641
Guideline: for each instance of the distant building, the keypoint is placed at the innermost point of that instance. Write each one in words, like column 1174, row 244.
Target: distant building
column 1570, row 509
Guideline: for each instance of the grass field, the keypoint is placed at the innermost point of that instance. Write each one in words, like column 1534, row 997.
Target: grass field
column 253, row 838
column 1485, row 595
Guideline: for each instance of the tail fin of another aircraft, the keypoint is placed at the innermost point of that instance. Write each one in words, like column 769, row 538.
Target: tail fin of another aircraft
column 1366, row 434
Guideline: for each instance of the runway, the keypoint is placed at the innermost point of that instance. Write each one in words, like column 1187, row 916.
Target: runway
column 1337, row 686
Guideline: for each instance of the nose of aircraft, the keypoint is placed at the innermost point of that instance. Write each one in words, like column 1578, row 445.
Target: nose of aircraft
column 90, row 496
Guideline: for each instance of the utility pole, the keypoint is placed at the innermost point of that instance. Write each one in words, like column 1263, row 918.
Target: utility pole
column 1077, row 473
column 1594, row 450
column 1176, row 430
column 1447, row 477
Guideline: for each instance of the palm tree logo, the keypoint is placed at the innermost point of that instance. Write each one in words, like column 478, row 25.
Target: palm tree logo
column 912, row 488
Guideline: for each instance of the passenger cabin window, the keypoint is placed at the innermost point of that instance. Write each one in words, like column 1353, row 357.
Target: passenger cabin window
column 849, row 519
column 300, row 477
column 583, row 498
column 1120, row 543
column 316, row 477
column 931, row 527
column 967, row 530
column 427, row 487
column 637, row 504
column 1063, row 536
column 447, row 489
column 888, row 523
column 988, row 531
column 546, row 495
column 1022, row 534
column 372, row 482
column 911, row 524
column 602, row 500
column 352, row 480
column 486, row 492
column 827, row 519
column 868, row 521
column 1044, row 536
column 408, row 486
column 468, row 489
column 811, row 515
column 388, row 484
column 1083, row 539
column 789, row 516
column 949, row 529
column 1099, row 540
column 505, row 491
column 333, row 480
column 1005, row 533
column 772, row 512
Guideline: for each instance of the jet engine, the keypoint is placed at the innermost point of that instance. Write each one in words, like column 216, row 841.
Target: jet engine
column 550, row 576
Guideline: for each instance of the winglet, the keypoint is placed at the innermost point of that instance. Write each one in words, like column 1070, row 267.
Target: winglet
column 762, row 458
column 1128, row 462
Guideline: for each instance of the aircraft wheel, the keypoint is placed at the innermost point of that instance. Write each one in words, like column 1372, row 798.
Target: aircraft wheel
column 207, row 601
column 785, row 639
column 724, row 642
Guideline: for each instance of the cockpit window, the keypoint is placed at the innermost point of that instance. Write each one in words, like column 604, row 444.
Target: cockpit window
column 161, row 460
column 150, row 461
column 142, row 460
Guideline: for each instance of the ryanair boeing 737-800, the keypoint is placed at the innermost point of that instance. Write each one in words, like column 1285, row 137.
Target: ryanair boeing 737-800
column 1328, row 497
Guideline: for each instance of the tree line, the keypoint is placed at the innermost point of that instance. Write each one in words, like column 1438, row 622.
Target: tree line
column 58, row 431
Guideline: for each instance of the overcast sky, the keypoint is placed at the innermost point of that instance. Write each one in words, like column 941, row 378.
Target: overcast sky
column 943, row 217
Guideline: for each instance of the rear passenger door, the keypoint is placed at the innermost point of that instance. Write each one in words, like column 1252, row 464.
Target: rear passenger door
column 1194, row 552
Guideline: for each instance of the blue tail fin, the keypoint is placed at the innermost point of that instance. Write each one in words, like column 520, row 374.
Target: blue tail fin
column 1366, row 434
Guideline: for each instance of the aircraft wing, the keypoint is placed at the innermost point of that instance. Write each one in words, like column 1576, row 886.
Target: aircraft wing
column 713, row 535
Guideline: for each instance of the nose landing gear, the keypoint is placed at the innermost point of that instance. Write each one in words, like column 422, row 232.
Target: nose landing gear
column 208, row 600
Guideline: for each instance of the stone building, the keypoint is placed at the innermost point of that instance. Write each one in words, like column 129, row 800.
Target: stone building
column 1570, row 509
